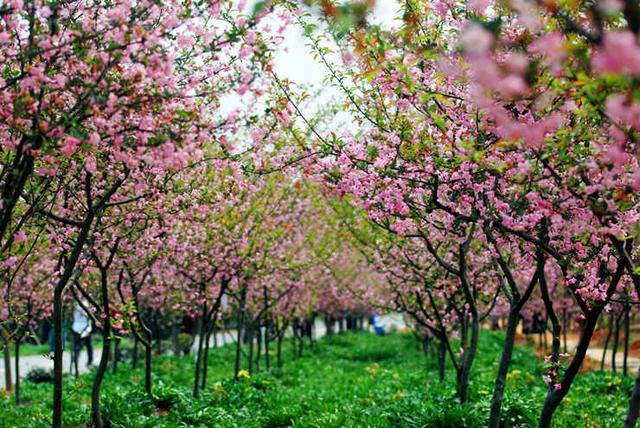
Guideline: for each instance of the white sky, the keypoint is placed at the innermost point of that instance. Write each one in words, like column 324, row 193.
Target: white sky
column 295, row 61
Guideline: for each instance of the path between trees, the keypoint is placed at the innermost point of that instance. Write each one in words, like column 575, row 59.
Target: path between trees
column 30, row 362
column 595, row 355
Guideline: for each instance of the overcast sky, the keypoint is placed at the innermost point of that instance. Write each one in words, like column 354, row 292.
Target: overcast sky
column 295, row 61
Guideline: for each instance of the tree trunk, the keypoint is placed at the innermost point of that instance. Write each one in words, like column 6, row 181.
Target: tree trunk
column 294, row 341
column 57, row 358
column 258, row 348
column 147, row 365
column 17, row 372
column 467, row 361
column 175, row 338
column 441, row 359
column 134, row 357
column 100, row 371
column 116, row 355
column 554, row 397
column 634, row 405
column 205, row 360
column 616, row 340
column 8, row 382
column 267, row 357
column 250, row 336
column 606, row 342
column 106, row 350
column 279, row 350
column 201, row 339
column 565, row 327
column 300, row 345
column 239, row 326
column 503, row 368
column 627, row 325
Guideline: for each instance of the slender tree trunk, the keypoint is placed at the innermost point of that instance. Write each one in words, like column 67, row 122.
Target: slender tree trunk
column 300, row 344
column 239, row 327
column 116, row 355
column 8, row 382
column 106, row 351
column 503, row 368
column 100, row 371
column 57, row 358
column 606, row 342
column 634, row 405
column 134, row 357
column 258, row 348
column 627, row 326
column 467, row 361
column 565, row 328
column 205, row 360
column 250, row 336
column 58, row 345
column 267, row 357
column 294, row 341
column 554, row 397
column 148, row 353
column 279, row 350
column 201, row 339
column 442, row 350
column 175, row 337
column 17, row 371
column 616, row 340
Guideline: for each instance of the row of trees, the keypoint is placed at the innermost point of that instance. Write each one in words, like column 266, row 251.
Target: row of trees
column 127, row 188
column 490, row 169
column 495, row 159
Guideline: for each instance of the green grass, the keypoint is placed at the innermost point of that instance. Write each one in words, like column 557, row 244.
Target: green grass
column 29, row 349
column 354, row 380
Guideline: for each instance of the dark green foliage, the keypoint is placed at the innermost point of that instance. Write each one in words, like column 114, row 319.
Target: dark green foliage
column 351, row 380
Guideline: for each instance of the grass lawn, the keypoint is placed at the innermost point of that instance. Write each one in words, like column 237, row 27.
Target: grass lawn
column 353, row 380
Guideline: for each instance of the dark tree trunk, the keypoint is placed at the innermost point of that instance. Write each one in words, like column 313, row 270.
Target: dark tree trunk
column 147, row 365
column 116, row 355
column 175, row 337
column 57, row 358
column 467, row 361
column 442, row 351
column 205, row 360
column 606, row 342
column 554, row 397
column 8, row 382
column 106, row 350
column 503, row 369
column 300, row 343
column 565, row 328
column 634, row 405
column 267, row 357
column 279, row 350
column 294, row 341
column 258, row 348
column 250, row 337
column 239, row 326
column 616, row 340
column 627, row 325
column 134, row 357
column 17, row 371
column 329, row 326
column 201, row 339
column 96, row 415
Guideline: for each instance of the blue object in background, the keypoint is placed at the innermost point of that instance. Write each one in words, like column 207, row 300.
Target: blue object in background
column 376, row 327
column 64, row 339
